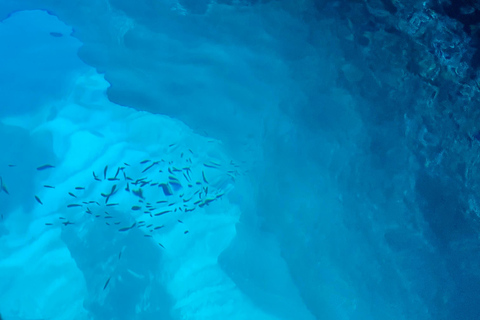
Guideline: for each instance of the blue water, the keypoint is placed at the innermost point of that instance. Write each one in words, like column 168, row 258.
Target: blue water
column 208, row 163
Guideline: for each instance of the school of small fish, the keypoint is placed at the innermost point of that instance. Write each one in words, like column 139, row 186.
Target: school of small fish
column 150, row 190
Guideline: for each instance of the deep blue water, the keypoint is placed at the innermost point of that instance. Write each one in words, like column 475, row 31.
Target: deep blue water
column 216, row 161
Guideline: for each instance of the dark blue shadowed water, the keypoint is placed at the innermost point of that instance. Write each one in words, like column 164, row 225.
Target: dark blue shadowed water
column 238, row 160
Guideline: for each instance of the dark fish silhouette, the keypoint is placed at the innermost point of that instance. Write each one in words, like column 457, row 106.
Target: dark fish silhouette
column 47, row 186
column 3, row 187
column 38, row 200
column 45, row 166
column 106, row 284
column 150, row 166
column 166, row 189
column 95, row 176
column 79, row 188
column 105, row 172
column 127, row 228
column 204, row 178
column 138, row 193
column 73, row 205
column 162, row 213
column 136, row 208
column 72, row 194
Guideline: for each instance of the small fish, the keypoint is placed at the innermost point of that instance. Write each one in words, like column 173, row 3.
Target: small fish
column 166, row 189
column 66, row 223
column 11, row 166
column 105, row 172
column 126, row 164
column 161, row 245
column 135, row 208
column 49, row 224
column 95, row 176
column 159, row 227
column 73, row 205
column 113, row 179
column 3, row 187
column 106, row 283
column 127, row 228
column 38, row 200
column 145, row 161
column 204, row 178
column 112, row 204
column 180, row 221
column 127, row 188
column 149, row 225
column 185, row 232
column 72, row 194
column 47, row 186
column 45, row 166
column 138, row 193
column 149, row 167
column 79, row 188
column 118, row 170
column 162, row 212
column 145, row 183
column 147, row 235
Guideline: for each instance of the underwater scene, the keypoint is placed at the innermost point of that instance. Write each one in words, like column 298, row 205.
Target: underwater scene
column 240, row 160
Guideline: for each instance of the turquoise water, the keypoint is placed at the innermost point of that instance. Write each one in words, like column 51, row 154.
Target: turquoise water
column 194, row 160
